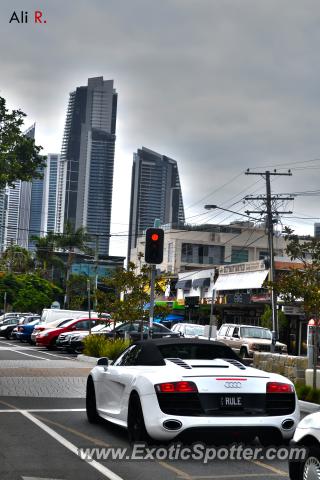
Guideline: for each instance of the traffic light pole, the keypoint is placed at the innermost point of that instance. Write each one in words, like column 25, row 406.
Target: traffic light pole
column 152, row 288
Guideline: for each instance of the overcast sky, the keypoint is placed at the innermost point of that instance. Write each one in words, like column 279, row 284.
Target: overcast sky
column 218, row 85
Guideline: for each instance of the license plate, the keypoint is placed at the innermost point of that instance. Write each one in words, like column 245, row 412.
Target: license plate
column 231, row 401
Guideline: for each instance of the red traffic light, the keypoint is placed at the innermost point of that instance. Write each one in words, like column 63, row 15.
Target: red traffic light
column 154, row 246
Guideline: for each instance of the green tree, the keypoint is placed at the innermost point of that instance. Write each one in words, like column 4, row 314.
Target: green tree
column 128, row 295
column 16, row 259
column 77, row 286
column 302, row 284
column 266, row 319
column 10, row 285
column 71, row 241
column 35, row 293
column 19, row 156
column 46, row 257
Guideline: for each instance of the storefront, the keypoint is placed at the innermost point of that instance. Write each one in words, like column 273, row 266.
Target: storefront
column 240, row 293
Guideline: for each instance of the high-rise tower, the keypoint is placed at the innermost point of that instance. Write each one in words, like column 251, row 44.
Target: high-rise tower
column 155, row 193
column 17, row 213
column 87, row 157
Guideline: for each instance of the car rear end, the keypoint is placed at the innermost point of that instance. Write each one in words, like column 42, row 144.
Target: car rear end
column 222, row 396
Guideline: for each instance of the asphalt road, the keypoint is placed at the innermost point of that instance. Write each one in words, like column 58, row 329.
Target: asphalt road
column 43, row 425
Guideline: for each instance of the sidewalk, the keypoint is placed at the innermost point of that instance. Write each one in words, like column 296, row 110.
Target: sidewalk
column 308, row 407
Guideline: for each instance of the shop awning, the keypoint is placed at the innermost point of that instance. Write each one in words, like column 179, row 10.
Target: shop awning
column 241, row 281
column 184, row 284
column 201, row 282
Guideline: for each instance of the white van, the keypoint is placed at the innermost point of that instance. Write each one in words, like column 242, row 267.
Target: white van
column 51, row 314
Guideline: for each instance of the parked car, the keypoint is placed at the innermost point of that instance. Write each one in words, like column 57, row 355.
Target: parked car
column 5, row 316
column 24, row 321
column 25, row 330
column 190, row 330
column 44, row 326
column 73, row 341
column 307, row 435
column 7, row 327
column 246, row 339
column 174, row 386
column 133, row 331
column 47, row 338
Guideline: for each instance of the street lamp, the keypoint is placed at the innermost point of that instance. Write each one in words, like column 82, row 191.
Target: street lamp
column 213, row 207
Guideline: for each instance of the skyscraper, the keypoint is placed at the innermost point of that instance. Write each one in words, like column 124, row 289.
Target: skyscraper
column 87, row 157
column 16, row 217
column 49, row 199
column 155, row 193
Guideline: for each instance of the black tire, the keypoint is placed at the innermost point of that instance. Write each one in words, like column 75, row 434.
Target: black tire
column 310, row 468
column 91, row 406
column 295, row 470
column 243, row 352
column 136, row 427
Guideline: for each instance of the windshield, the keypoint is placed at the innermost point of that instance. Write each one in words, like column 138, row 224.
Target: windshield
column 99, row 327
column 34, row 322
column 65, row 321
column 254, row 332
column 192, row 351
column 195, row 330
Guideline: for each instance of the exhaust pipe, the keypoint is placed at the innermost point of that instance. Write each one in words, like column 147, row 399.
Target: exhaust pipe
column 172, row 424
column 287, row 424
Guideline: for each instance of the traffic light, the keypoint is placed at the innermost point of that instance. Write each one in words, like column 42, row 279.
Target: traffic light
column 154, row 246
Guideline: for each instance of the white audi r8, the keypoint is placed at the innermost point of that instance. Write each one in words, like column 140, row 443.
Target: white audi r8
column 307, row 435
column 166, row 388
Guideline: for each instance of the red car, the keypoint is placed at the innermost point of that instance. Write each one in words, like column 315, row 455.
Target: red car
column 48, row 337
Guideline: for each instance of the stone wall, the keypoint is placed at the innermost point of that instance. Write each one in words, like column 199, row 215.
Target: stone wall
column 290, row 366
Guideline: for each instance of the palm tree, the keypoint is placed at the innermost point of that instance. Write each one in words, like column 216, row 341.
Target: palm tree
column 70, row 242
column 46, row 252
column 16, row 259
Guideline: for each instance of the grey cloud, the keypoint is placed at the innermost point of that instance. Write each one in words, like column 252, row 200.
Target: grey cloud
column 220, row 85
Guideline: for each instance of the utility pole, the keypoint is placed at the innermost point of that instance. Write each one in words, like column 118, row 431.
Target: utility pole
column 268, row 199
column 96, row 265
column 89, row 301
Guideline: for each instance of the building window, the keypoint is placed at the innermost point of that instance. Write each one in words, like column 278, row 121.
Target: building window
column 202, row 254
column 170, row 252
column 263, row 254
column 239, row 255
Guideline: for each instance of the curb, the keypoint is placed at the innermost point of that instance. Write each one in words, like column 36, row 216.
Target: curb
column 308, row 407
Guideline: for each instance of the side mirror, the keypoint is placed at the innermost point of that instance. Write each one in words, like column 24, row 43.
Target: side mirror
column 103, row 362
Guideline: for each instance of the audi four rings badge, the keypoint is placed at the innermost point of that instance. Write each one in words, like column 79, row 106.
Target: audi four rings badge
column 232, row 384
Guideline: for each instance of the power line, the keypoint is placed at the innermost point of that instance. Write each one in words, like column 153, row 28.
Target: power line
column 268, row 199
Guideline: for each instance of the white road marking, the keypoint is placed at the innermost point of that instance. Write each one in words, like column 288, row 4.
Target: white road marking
column 70, row 446
column 17, row 349
column 39, row 410
column 37, row 478
column 28, row 354
column 55, row 355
